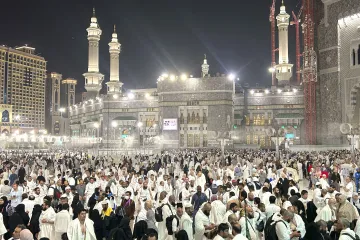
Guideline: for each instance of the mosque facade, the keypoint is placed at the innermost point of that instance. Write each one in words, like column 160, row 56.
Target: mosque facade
column 183, row 111
column 338, row 67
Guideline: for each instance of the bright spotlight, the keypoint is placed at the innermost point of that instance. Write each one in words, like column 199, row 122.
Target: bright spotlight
column 172, row 77
column 164, row 75
column 115, row 96
column 295, row 90
column 231, row 77
column 267, row 91
column 271, row 69
column 96, row 125
column 139, row 124
column 131, row 96
column 252, row 91
column 62, row 110
column 279, row 90
column 183, row 77
column 114, row 124
column 147, row 95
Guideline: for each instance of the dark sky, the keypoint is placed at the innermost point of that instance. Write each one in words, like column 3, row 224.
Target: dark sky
column 156, row 36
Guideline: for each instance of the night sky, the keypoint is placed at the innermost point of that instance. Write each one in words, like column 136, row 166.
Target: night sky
column 156, row 35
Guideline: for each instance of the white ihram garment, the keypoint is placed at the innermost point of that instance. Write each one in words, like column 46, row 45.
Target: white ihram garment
column 62, row 221
column 74, row 230
column 47, row 229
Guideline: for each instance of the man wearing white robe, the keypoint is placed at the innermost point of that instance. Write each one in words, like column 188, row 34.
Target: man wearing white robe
column 90, row 189
column 218, row 210
column 200, row 179
column 167, row 211
column 47, row 219
column 62, row 221
column 328, row 212
column 29, row 204
column 186, row 222
column 202, row 222
column 82, row 228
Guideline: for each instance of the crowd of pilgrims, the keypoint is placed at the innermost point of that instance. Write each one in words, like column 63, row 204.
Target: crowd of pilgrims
column 180, row 194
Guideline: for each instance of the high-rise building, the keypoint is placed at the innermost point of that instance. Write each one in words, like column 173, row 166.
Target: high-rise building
column 22, row 87
column 60, row 95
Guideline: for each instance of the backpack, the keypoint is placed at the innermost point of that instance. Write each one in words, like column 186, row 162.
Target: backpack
column 169, row 221
column 261, row 225
column 270, row 232
column 116, row 233
column 354, row 238
column 159, row 214
column 57, row 193
column 214, row 188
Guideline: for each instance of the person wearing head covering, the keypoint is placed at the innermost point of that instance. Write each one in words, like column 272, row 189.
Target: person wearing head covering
column 3, row 229
column 150, row 215
column 140, row 229
column 95, row 216
column 18, row 217
column 34, row 221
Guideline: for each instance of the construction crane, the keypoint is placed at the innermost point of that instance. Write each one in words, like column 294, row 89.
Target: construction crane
column 273, row 49
column 296, row 22
column 309, row 72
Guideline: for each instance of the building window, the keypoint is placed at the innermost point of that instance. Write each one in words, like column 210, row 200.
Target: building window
column 190, row 140
column 204, row 140
column 182, row 142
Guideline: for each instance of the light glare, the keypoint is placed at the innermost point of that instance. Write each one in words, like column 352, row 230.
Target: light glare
column 131, row 96
column 231, row 77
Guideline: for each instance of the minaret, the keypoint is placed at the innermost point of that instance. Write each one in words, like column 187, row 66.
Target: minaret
column 205, row 67
column 114, row 85
column 93, row 78
column 283, row 69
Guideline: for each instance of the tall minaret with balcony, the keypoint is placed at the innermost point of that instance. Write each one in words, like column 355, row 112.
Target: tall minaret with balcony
column 93, row 78
column 283, row 69
column 204, row 67
column 114, row 85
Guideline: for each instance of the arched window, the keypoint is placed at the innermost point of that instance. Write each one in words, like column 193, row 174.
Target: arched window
column 71, row 99
column 358, row 55
column 5, row 116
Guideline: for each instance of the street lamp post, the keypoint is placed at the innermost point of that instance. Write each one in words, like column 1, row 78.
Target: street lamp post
column 140, row 124
column 276, row 136
column 352, row 134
